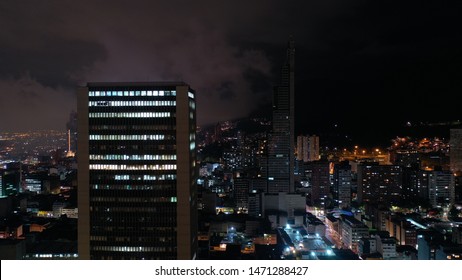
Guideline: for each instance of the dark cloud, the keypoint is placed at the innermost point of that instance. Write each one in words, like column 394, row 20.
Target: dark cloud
column 53, row 62
column 259, row 83
column 64, row 44
column 27, row 105
column 230, row 52
column 225, row 91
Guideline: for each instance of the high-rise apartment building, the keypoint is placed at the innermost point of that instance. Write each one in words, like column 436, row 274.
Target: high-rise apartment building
column 308, row 148
column 11, row 179
column 281, row 150
column 379, row 183
column 423, row 178
column 313, row 148
column 441, row 190
column 137, row 171
column 455, row 150
column 302, row 148
column 411, row 182
column 241, row 192
column 318, row 176
column 341, row 188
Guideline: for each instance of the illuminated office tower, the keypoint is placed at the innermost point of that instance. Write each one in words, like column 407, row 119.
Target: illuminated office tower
column 137, row 171
column 281, row 149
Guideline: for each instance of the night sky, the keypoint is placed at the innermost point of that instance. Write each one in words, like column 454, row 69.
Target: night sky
column 361, row 65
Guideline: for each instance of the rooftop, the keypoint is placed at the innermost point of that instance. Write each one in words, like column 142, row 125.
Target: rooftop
column 135, row 84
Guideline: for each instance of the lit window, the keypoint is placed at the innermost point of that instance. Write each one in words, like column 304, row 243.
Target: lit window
column 130, row 115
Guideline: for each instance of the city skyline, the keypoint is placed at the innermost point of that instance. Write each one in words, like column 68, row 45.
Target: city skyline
column 144, row 184
column 359, row 65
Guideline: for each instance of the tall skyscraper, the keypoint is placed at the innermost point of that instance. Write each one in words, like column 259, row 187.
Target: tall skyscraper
column 281, row 148
column 455, row 150
column 137, row 171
